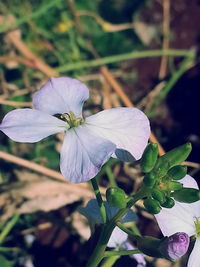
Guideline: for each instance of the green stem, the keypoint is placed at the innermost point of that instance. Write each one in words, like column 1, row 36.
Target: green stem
column 98, row 252
column 111, row 177
column 8, row 227
column 99, row 200
column 121, row 57
column 126, row 230
column 185, row 65
column 121, row 252
column 109, row 261
column 5, row 249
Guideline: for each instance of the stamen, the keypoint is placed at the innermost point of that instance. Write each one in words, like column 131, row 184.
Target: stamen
column 70, row 118
column 197, row 226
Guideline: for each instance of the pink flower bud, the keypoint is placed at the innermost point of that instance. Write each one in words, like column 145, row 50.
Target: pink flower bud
column 175, row 246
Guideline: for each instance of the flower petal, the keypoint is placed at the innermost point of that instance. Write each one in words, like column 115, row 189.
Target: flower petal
column 117, row 238
column 61, row 95
column 128, row 128
column 188, row 181
column 182, row 215
column 138, row 257
column 83, row 154
column 180, row 218
column 29, row 125
column 194, row 256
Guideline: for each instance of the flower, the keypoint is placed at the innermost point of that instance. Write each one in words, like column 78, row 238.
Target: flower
column 88, row 143
column 118, row 239
column 183, row 218
column 175, row 246
column 92, row 213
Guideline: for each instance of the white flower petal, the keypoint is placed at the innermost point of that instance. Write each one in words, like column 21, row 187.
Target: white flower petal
column 188, row 181
column 83, row 154
column 194, row 256
column 128, row 128
column 138, row 257
column 180, row 218
column 30, row 125
column 117, row 238
column 61, row 95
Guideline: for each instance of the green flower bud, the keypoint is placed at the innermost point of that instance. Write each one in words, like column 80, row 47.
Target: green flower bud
column 149, row 179
column 177, row 172
column 158, row 195
column 161, row 168
column 173, row 186
column 149, row 246
column 178, row 154
column 116, row 197
column 169, row 203
column 152, row 206
column 149, row 157
column 186, row 195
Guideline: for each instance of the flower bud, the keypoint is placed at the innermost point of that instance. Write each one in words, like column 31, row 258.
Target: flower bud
column 177, row 172
column 161, row 168
column 169, row 203
column 173, row 186
column 178, row 154
column 149, row 179
column 158, row 195
column 175, row 246
column 149, row 157
column 186, row 195
column 116, row 197
column 152, row 206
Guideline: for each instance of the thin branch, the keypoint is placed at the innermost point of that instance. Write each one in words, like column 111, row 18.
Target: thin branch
column 166, row 37
column 15, row 103
column 80, row 189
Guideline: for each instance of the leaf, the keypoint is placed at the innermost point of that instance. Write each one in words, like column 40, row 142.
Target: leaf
column 38, row 193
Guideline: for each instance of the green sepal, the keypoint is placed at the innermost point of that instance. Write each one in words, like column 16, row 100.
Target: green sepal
column 149, row 157
column 169, row 203
column 177, row 172
column 116, row 197
column 186, row 195
column 149, row 179
column 158, row 195
column 149, row 246
column 152, row 205
column 177, row 155
column 174, row 185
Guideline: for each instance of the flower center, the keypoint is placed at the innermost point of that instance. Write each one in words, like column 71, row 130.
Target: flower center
column 71, row 119
column 197, row 226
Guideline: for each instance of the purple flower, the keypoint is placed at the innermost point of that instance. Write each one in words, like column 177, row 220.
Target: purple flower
column 175, row 246
column 183, row 217
column 88, row 143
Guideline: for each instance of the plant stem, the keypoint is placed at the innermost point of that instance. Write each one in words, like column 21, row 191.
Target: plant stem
column 111, row 177
column 185, row 65
column 99, row 200
column 126, row 230
column 8, row 227
column 99, row 251
column 13, row 249
column 121, row 252
column 117, row 58
column 109, row 261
